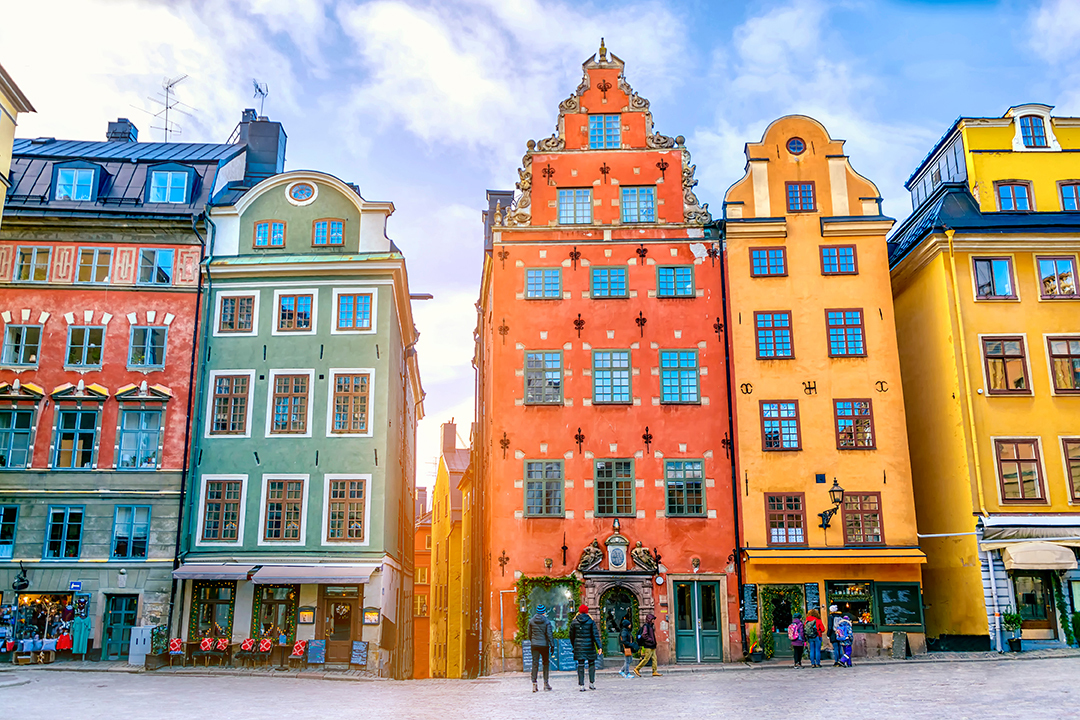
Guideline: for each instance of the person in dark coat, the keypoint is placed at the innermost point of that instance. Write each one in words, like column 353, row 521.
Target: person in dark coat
column 542, row 639
column 626, row 642
column 648, row 646
column 585, row 639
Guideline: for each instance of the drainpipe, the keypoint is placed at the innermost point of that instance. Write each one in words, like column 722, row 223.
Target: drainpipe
column 994, row 596
column 731, row 434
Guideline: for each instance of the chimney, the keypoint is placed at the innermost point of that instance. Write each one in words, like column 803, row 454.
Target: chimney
column 449, row 438
column 500, row 200
column 265, row 142
column 123, row 130
column 421, row 502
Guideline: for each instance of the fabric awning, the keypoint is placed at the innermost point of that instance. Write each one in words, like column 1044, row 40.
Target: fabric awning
column 321, row 574
column 1038, row 556
column 1003, row 531
column 835, row 556
column 225, row 571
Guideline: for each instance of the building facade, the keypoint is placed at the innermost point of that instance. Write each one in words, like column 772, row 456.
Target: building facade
column 12, row 102
column 448, row 587
column 422, row 592
column 601, row 471
column 988, row 317
column 99, row 280
column 301, row 498
column 819, row 406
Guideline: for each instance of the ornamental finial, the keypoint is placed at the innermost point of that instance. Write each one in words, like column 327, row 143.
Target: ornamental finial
column 603, row 51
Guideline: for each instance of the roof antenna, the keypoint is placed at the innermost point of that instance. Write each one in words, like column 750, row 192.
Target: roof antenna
column 170, row 103
column 261, row 91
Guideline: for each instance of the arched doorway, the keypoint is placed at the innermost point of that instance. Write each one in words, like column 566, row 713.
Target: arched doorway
column 616, row 604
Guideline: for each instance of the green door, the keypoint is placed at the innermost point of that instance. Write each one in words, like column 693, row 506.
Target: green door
column 616, row 605
column 697, row 622
column 119, row 619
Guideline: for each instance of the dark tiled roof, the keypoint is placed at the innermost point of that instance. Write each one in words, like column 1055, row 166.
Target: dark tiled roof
column 937, row 146
column 138, row 151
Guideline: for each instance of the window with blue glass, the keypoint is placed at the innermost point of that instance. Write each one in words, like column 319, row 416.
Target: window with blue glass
column 543, row 284
column 838, row 260
column 679, row 376
column 131, row 532
column 773, row 335
column 74, row 184
column 76, row 436
column 9, row 520
column 543, row 377
column 147, row 347
column 1015, row 197
column 800, row 197
column 269, row 233
column 544, row 488
column 1070, row 196
column 140, row 436
column 609, row 282
column 768, row 261
column 675, row 281
column 846, row 337
column 575, row 206
column 638, row 204
column 685, row 488
column 63, row 534
column 329, row 232
column 604, row 132
column 1033, row 130
column 611, row 376
column 155, row 267
column 168, row 187
column 15, row 426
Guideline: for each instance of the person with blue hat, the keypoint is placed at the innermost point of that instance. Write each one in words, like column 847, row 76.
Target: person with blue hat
column 542, row 639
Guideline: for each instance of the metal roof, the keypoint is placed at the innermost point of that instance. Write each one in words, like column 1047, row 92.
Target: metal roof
column 134, row 151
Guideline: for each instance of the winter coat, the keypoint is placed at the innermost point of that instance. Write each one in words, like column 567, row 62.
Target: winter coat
column 833, row 619
column 648, row 632
column 584, row 637
column 843, row 631
column 800, row 632
column 541, row 631
column 626, row 635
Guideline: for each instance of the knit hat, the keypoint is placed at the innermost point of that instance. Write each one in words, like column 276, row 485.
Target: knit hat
column 833, row 608
column 541, row 610
column 584, row 609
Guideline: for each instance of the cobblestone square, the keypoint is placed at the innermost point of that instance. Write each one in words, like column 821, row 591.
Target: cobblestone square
column 1031, row 689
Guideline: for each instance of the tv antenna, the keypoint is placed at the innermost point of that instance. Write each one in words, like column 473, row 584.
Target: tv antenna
column 261, row 91
column 169, row 104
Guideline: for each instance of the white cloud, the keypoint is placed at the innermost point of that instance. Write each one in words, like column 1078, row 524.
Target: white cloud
column 429, row 440
column 446, row 346
column 1055, row 30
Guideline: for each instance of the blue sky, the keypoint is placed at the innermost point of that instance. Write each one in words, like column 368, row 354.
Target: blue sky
column 430, row 103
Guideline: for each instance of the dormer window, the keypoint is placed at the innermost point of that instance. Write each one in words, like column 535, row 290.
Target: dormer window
column 168, row 187
column 604, row 132
column 1033, row 131
column 74, row 184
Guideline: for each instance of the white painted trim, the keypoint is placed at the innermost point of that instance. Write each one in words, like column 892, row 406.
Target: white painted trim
column 219, row 295
column 304, row 508
column 203, row 479
column 327, row 479
column 374, row 310
column 262, row 284
column 302, row 203
column 270, row 401
column 314, row 312
column 330, row 402
column 1046, row 501
column 1042, row 111
column 1027, row 365
column 210, row 404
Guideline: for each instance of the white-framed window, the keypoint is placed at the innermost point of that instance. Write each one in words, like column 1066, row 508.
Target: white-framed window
column 168, row 187
column 289, row 398
column 74, row 184
column 222, row 499
column 355, row 311
column 348, row 411
column 346, row 510
column 296, row 311
column 229, row 403
column 283, row 509
column 236, row 313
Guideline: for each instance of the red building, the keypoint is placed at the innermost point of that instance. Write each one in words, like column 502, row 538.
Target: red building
column 602, row 399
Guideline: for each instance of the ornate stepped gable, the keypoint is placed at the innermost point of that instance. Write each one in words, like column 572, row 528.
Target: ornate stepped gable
column 520, row 213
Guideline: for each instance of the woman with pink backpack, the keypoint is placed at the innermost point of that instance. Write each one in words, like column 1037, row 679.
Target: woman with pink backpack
column 796, row 632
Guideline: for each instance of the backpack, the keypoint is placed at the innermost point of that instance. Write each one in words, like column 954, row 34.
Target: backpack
column 843, row 632
column 793, row 631
column 811, row 629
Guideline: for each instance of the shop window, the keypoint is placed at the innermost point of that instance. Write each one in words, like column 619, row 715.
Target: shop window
column 269, row 233
column 862, row 519
column 63, row 535
column 839, row 260
column 543, row 378
column 685, row 486
column 800, row 197
column 76, row 437
column 237, row 314
column 1019, row 470
column 611, row 376
column 212, row 609
column 328, row 232
column 94, row 265
column 638, row 204
column 221, row 510
column 773, row 335
column 230, row 405
column 354, row 311
column 290, row 414
column 1071, row 447
column 21, row 344
column 854, row 425
column 351, row 392
column 575, row 206
column 604, row 132
column 131, row 532
column 614, row 483
column 294, row 313
column 9, row 521
column 544, row 488
column 854, row 599
column 1057, row 276
column 768, row 261
column 679, row 376
column 15, row 429
column 284, row 510
column 155, row 267
column 1006, row 366
column 84, row 346
column 147, row 347
column 609, row 282
column 993, row 278
column 140, row 437
column 846, row 337
column 345, row 511
column 274, row 612
column 32, row 264
column 675, row 281
column 780, row 425
column 543, row 284
column 1033, row 131
column 786, row 518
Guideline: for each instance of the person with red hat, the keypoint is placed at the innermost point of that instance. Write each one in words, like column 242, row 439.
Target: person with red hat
column 585, row 639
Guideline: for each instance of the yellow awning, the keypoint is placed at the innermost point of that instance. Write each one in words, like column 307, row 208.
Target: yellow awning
column 837, row 556
column 1038, row 556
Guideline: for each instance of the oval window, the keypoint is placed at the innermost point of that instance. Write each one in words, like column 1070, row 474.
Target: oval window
column 301, row 192
column 796, row 146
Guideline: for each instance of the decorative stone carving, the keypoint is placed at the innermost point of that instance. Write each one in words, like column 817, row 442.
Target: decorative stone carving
column 694, row 213
column 591, row 557
column 643, row 559
column 570, row 105
column 616, row 548
column 658, row 141
column 551, row 144
column 638, row 103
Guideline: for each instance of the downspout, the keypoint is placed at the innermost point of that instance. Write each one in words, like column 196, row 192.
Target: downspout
column 731, row 435
column 949, row 233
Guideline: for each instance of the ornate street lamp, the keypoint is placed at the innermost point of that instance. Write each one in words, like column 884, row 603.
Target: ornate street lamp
column 836, row 496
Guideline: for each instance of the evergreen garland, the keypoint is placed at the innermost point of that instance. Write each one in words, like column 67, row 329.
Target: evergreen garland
column 524, row 586
column 1063, row 611
column 792, row 593
column 193, row 617
column 635, row 617
column 290, row 614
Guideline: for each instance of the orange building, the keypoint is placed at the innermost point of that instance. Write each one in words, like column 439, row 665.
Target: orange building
column 421, row 587
column 601, row 392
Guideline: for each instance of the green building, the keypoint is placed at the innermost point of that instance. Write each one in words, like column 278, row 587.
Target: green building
column 299, row 512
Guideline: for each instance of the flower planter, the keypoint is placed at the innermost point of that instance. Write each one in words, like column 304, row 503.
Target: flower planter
column 757, row 656
column 1014, row 645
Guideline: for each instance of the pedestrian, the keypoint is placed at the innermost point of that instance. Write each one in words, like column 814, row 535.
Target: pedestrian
column 834, row 617
column 796, row 632
column 647, row 639
column 813, row 631
column 542, row 639
column 585, row 640
column 628, row 645
column 844, row 636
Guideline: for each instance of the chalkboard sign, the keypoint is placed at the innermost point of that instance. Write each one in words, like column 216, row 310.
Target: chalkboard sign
column 564, row 649
column 899, row 605
column 526, row 658
column 316, row 652
column 813, row 596
column 359, row 653
column 749, row 595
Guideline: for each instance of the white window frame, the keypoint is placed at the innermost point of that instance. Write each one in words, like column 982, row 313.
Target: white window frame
column 168, row 186
column 209, row 416
column 203, row 480
column 1018, row 145
column 271, row 376
column 304, row 512
column 327, row 479
column 254, row 332
column 278, row 292
column 334, row 308
column 331, row 373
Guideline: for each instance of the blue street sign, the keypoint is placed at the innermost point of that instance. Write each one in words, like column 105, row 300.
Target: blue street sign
column 75, row 586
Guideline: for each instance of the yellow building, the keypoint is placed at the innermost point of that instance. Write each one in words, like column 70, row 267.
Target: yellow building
column 447, row 610
column 988, row 319
column 822, row 467
column 12, row 102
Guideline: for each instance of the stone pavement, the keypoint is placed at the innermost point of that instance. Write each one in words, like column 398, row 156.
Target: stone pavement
column 1034, row 689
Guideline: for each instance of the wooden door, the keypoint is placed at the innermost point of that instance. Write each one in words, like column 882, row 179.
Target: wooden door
column 340, row 620
column 119, row 619
column 1035, row 600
